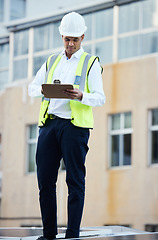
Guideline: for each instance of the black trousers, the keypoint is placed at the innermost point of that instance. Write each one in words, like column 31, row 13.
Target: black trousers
column 59, row 138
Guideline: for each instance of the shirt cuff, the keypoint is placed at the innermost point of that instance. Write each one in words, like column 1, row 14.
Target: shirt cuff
column 83, row 98
column 39, row 91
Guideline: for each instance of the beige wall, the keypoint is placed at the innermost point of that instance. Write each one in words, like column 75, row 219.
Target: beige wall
column 126, row 195
column 19, row 191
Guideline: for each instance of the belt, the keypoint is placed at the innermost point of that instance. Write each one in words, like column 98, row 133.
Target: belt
column 52, row 116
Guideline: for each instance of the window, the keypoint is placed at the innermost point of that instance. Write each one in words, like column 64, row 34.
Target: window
column 104, row 47
column 120, row 136
column 151, row 227
column 150, row 13
column 130, row 12
column 4, row 64
column 17, row 9
column 88, row 22
column 117, row 33
column 98, row 39
column 38, row 61
column 128, row 47
column 20, row 64
column 42, row 38
column 138, row 34
column 31, row 147
column 149, row 43
column 46, row 38
column 104, row 23
column 128, row 44
column 1, row 10
column 153, row 136
column 21, row 43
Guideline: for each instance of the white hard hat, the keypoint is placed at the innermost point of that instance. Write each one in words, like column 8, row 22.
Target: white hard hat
column 72, row 25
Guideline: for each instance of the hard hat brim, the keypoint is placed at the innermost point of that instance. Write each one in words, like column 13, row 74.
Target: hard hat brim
column 69, row 34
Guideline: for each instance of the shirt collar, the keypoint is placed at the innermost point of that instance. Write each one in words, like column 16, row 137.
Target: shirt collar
column 76, row 54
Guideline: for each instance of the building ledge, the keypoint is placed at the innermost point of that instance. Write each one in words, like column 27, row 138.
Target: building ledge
column 106, row 232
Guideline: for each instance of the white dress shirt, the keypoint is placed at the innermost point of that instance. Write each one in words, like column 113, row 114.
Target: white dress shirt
column 65, row 72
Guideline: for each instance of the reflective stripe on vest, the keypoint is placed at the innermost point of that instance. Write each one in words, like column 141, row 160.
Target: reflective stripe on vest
column 49, row 63
column 81, row 71
column 81, row 115
column 52, row 62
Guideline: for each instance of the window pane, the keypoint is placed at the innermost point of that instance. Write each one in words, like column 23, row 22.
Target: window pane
column 57, row 40
column 128, row 47
column 87, row 49
column 104, row 51
column 129, row 17
column 37, row 63
column 150, row 13
column 104, row 23
column 17, row 9
column 4, row 55
column 154, row 147
column 21, row 43
column 20, row 69
column 149, row 43
column 115, row 121
column 115, row 150
column 33, row 131
column 127, row 120
column 127, row 150
column 1, row 10
column 155, row 117
column 41, row 38
column 88, row 21
column 3, row 79
column 31, row 163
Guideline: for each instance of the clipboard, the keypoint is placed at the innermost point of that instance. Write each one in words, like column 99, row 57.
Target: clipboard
column 55, row 90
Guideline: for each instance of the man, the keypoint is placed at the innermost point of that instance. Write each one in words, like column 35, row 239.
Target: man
column 65, row 123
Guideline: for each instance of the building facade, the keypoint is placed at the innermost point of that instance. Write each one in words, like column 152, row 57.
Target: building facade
column 122, row 164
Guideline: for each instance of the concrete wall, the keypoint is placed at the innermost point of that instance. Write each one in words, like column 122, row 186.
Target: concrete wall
column 124, row 195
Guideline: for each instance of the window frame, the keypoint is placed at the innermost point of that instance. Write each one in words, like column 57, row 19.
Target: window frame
column 25, row 56
column 6, row 68
column 139, row 33
column 119, row 132
column 28, row 142
column 151, row 129
column 42, row 53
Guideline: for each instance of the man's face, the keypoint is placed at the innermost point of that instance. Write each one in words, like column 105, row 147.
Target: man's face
column 72, row 44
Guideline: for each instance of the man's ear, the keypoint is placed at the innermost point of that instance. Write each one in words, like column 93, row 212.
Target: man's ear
column 82, row 37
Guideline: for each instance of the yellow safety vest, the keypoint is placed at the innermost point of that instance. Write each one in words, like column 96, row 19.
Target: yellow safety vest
column 81, row 114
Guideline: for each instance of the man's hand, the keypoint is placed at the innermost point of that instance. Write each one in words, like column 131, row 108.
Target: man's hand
column 73, row 93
